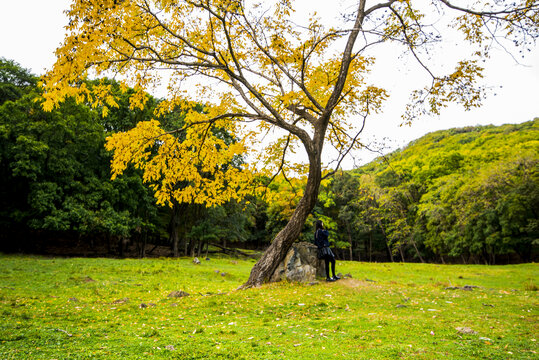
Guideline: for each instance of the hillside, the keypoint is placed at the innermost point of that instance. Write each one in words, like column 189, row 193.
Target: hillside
column 468, row 195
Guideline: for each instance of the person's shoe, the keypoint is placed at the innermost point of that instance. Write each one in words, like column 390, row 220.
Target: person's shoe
column 335, row 278
column 330, row 279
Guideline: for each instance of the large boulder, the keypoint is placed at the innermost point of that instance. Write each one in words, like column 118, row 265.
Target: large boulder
column 300, row 264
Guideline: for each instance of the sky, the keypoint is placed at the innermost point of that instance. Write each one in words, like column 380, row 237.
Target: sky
column 30, row 31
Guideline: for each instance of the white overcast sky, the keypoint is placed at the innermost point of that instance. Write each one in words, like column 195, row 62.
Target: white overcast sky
column 30, row 31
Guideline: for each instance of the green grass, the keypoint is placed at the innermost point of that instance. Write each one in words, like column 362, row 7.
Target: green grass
column 57, row 308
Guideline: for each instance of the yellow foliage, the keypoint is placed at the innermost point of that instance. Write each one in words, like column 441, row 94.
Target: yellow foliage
column 197, row 170
column 251, row 62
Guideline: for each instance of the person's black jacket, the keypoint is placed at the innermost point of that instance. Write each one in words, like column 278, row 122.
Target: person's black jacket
column 321, row 238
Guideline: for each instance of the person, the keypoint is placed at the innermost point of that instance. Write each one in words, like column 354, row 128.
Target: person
column 324, row 252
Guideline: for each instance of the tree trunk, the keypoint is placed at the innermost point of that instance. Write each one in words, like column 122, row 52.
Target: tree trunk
column 199, row 248
column 350, row 241
column 402, row 253
column 191, row 248
column 174, row 224
column 389, row 252
column 275, row 253
column 370, row 246
column 416, row 250
column 121, row 246
column 143, row 245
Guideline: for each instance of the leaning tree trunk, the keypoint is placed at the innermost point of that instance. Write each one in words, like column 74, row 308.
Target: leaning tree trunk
column 275, row 253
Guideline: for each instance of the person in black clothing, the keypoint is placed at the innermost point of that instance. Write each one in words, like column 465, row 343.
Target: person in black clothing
column 324, row 252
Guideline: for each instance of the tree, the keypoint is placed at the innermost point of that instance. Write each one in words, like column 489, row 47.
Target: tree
column 14, row 80
column 256, row 64
column 55, row 173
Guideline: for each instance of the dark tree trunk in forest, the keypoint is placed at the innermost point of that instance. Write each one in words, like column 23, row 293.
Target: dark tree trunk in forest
column 143, row 242
column 350, row 241
column 191, row 248
column 121, row 244
column 402, row 253
column 370, row 245
column 388, row 248
column 174, row 228
column 199, row 247
column 416, row 250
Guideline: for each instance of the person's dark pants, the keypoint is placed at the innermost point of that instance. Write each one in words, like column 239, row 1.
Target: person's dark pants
column 329, row 259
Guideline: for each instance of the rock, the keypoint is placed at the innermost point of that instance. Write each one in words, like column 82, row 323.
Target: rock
column 121, row 301
column 401, row 306
column 300, row 264
column 196, row 261
column 223, row 274
column 466, row 330
column 177, row 294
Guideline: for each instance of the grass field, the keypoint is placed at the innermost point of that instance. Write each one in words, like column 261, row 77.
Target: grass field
column 74, row 308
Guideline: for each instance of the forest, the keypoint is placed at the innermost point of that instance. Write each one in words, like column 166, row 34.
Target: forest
column 468, row 195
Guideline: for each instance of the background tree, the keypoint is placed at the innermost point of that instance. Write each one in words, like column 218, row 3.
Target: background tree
column 55, row 171
column 257, row 64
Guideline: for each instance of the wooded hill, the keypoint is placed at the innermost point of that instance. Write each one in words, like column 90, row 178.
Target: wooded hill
column 461, row 195
column 466, row 195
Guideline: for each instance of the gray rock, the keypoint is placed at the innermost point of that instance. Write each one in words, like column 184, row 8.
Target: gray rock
column 177, row 294
column 466, row 330
column 300, row 264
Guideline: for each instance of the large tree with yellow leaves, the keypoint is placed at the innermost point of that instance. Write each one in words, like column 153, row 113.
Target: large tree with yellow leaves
column 258, row 67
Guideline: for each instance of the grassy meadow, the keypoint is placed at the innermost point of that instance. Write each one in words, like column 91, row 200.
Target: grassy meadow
column 75, row 308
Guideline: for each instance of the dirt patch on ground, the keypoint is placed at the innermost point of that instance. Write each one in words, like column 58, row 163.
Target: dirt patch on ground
column 358, row 284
